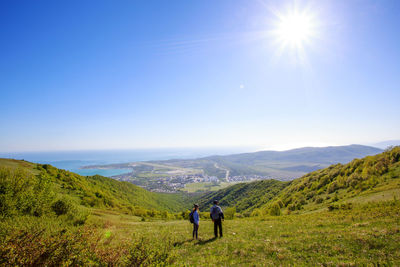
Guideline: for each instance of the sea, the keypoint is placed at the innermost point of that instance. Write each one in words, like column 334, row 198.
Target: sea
column 75, row 160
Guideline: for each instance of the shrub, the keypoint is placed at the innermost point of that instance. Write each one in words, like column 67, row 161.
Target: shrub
column 280, row 203
column 41, row 246
column 332, row 187
column 292, row 207
column 239, row 215
column 319, row 200
column 275, row 210
column 256, row 212
column 61, row 207
column 230, row 213
column 144, row 253
column 333, row 207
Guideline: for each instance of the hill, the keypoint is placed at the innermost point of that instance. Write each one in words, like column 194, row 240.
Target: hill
column 87, row 191
column 360, row 180
column 291, row 163
column 244, row 196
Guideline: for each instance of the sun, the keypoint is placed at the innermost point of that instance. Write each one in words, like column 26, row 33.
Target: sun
column 294, row 32
column 294, row 29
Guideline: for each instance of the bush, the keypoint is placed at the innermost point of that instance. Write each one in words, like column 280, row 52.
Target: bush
column 333, row 207
column 319, row 200
column 256, row 212
column 230, row 213
column 61, row 207
column 292, row 207
column 275, row 210
column 21, row 193
column 144, row 253
column 37, row 245
column 239, row 215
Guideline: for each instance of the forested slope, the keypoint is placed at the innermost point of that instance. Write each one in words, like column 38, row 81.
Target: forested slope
column 244, row 196
column 23, row 184
column 367, row 179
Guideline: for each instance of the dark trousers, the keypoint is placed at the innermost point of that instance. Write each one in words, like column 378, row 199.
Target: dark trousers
column 195, row 230
column 218, row 224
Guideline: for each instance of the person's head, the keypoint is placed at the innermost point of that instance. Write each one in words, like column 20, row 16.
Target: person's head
column 195, row 207
column 216, row 202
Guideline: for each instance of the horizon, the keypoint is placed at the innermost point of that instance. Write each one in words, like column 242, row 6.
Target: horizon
column 381, row 145
column 267, row 75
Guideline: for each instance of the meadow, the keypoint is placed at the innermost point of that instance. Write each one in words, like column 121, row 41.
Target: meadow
column 206, row 187
column 367, row 234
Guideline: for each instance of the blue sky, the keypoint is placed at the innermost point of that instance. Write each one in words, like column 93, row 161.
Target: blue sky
column 152, row 74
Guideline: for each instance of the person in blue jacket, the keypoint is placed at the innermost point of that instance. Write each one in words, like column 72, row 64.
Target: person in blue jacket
column 196, row 220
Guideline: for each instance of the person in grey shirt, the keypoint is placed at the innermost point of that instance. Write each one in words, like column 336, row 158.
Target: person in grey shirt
column 217, row 216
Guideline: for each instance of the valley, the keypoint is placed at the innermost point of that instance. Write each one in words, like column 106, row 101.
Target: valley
column 170, row 176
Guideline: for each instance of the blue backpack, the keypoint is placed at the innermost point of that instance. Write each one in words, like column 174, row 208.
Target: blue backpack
column 191, row 218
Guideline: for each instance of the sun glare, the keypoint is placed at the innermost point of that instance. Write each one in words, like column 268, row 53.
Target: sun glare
column 294, row 29
column 293, row 32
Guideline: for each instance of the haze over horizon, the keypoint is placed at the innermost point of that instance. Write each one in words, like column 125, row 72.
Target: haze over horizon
column 262, row 74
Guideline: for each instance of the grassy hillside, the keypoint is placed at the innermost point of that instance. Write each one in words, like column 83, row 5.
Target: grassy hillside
column 244, row 196
column 369, row 234
column 361, row 180
column 88, row 191
column 339, row 184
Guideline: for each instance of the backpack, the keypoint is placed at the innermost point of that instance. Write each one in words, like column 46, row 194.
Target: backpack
column 191, row 218
column 215, row 212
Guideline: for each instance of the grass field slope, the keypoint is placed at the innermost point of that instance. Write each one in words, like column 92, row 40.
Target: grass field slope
column 21, row 178
column 361, row 180
column 245, row 197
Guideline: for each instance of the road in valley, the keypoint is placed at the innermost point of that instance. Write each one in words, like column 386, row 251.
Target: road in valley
column 222, row 168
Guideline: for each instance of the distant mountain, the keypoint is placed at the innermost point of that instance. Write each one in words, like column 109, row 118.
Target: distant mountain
column 362, row 180
column 386, row 144
column 281, row 165
column 336, row 154
column 290, row 164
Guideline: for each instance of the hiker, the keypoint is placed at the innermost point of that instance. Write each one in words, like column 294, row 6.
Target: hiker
column 195, row 219
column 217, row 216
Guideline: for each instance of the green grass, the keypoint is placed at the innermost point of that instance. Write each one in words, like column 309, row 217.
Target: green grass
column 244, row 196
column 13, row 163
column 360, row 180
column 89, row 191
column 205, row 187
column 368, row 234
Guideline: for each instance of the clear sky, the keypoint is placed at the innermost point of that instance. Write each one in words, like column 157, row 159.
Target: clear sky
column 149, row 74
